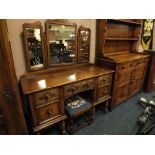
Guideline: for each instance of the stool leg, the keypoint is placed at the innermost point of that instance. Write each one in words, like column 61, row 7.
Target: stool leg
column 62, row 127
column 93, row 115
column 106, row 106
column 71, row 121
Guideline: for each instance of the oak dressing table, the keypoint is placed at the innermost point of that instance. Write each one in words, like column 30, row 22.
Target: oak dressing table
column 47, row 90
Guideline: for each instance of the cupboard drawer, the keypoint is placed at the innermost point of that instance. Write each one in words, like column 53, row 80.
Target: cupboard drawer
column 48, row 112
column 126, row 67
column 103, row 91
column 43, row 97
column 105, row 79
column 77, row 87
column 141, row 61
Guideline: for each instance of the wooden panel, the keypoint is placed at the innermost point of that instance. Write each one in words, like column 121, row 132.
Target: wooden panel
column 136, row 85
column 10, row 102
column 113, row 46
column 116, row 30
column 124, row 79
column 122, row 93
column 138, row 73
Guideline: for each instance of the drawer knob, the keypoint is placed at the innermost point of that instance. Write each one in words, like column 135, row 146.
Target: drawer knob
column 47, row 96
column 86, row 85
column 49, row 112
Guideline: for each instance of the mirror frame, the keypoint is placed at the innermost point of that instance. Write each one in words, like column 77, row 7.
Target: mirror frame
column 59, row 22
column 81, row 28
column 27, row 55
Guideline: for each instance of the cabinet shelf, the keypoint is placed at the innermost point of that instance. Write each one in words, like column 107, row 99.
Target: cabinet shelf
column 125, row 39
column 125, row 21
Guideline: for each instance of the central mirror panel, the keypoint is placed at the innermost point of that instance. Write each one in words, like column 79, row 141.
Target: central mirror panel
column 61, row 42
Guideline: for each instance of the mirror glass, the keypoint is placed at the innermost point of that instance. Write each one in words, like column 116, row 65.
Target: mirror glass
column 84, row 45
column 62, row 43
column 34, row 43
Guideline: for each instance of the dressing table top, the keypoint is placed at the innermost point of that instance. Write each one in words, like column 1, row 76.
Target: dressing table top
column 46, row 79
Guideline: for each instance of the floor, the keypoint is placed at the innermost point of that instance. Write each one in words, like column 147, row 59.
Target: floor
column 121, row 121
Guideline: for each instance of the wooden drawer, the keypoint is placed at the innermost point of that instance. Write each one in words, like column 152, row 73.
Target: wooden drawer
column 105, row 79
column 126, row 67
column 141, row 61
column 122, row 79
column 43, row 97
column 103, row 91
column 78, row 87
column 48, row 112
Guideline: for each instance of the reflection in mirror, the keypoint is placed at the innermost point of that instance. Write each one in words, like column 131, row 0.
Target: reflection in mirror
column 83, row 45
column 34, row 46
column 61, row 43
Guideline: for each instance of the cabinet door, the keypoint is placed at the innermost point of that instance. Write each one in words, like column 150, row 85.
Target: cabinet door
column 137, row 79
column 122, row 93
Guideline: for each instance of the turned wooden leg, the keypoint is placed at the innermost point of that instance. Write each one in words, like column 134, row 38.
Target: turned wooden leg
column 62, row 126
column 93, row 115
column 110, row 105
column 71, row 121
column 106, row 105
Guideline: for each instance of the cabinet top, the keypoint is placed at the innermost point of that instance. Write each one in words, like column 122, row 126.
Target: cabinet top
column 35, row 82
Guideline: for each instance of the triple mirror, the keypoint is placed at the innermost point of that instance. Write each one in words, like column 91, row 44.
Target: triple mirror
column 61, row 42
column 34, row 47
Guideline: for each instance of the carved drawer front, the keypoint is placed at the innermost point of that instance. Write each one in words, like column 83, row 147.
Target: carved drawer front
column 122, row 79
column 44, row 97
column 103, row 91
column 79, row 86
column 105, row 79
column 48, row 112
column 126, row 67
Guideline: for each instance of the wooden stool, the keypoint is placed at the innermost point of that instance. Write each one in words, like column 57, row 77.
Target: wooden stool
column 73, row 114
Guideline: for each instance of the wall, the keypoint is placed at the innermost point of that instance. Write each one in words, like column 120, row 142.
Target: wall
column 16, row 40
